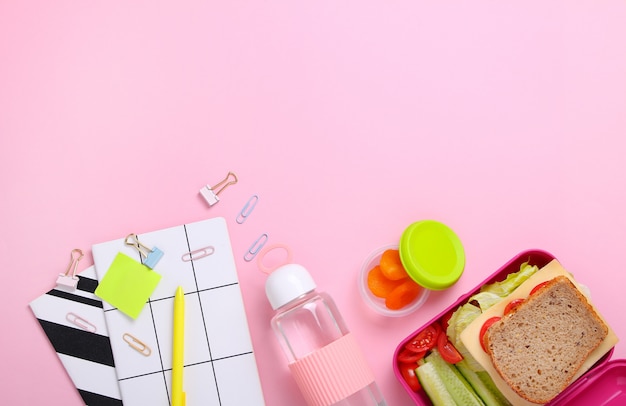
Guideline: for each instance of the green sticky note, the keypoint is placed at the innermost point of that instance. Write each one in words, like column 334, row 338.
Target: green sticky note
column 127, row 285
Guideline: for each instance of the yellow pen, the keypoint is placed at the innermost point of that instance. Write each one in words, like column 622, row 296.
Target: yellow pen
column 178, row 346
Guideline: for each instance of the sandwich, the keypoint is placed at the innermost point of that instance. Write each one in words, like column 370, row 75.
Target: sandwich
column 538, row 347
column 534, row 345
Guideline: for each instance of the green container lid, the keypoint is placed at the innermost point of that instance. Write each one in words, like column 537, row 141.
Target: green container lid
column 432, row 254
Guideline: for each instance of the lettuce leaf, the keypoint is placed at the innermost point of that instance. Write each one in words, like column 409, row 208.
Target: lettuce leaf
column 512, row 281
column 460, row 319
column 488, row 296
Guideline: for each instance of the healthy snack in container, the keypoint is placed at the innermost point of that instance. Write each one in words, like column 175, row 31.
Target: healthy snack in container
column 474, row 379
column 556, row 312
column 389, row 281
column 396, row 280
column 567, row 328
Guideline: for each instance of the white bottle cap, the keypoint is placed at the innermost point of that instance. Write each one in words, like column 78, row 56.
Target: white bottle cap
column 288, row 283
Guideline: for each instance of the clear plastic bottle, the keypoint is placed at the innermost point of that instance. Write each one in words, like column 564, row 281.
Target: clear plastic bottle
column 323, row 356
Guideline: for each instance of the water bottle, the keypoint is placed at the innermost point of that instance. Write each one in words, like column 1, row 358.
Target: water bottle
column 324, row 358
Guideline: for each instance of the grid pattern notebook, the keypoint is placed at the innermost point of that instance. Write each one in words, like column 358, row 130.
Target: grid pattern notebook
column 218, row 349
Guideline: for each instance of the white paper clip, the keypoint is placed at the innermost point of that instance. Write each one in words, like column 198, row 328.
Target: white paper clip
column 151, row 255
column 199, row 253
column 255, row 247
column 80, row 322
column 136, row 344
column 65, row 280
column 211, row 195
column 247, row 209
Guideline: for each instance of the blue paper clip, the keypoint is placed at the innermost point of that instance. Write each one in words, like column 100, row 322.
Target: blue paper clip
column 151, row 256
column 247, row 209
column 255, row 247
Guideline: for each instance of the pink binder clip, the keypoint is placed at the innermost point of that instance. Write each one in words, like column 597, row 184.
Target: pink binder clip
column 210, row 195
column 65, row 280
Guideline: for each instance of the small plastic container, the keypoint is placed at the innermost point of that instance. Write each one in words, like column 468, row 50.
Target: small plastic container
column 377, row 303
column 603, row 384
column 432, row 256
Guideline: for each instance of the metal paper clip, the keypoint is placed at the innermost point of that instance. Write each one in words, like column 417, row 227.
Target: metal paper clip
column 65, row 279
column 247, row 209
column 80, row 322
column 137, row 345
column 151, row 255
column 210, row 195
column 199, row 253
column 255, row 247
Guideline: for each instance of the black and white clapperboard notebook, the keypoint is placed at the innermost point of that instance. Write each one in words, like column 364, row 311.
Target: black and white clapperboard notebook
column 74, row 323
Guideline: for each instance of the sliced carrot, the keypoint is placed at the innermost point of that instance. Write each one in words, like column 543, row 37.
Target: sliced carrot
column 379, row 284
column 391, row 266
column 402, row 295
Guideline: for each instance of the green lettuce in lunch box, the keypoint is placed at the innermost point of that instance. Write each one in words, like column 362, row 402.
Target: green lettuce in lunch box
column 488, row 296
column 467, row 382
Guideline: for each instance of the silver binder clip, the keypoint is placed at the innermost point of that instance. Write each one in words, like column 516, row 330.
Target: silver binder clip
column 151, row 255
column 65, row 280
column 210, row 193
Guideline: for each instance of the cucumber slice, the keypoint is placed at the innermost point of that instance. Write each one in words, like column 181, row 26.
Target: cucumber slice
column 461, row 391
column 486, row 379
column 489, row 394
column 433, row 385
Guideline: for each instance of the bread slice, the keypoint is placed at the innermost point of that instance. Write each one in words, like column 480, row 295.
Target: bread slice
column 538, row 347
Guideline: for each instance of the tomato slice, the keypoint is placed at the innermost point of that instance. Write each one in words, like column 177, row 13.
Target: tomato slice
column 488, row 323
column 425, row 340
column 447, row 350
column 408, row 373
column 446, row 319
column 512, row 305
column 539, row 286
column 406, row 356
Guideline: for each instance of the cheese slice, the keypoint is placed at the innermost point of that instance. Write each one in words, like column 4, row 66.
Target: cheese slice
column 470, row 336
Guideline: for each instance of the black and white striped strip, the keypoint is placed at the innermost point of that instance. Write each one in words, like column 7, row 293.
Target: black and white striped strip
column 86, row 355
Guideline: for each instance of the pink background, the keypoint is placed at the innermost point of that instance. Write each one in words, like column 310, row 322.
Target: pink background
column 349, row 119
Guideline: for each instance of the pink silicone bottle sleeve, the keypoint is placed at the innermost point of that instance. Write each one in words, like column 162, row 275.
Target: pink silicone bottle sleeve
column 332, row 373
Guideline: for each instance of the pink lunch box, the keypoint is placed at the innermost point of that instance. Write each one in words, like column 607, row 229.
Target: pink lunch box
column 604, row 384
